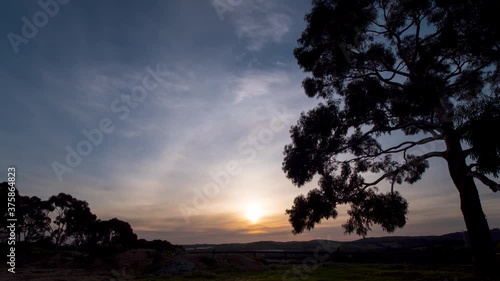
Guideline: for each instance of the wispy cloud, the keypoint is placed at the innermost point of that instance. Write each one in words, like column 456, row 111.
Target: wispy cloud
column 259, row 31
column 259, row 23
column 255, row 84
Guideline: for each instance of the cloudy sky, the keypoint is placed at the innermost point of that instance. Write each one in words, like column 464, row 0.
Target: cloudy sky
column 173, row 115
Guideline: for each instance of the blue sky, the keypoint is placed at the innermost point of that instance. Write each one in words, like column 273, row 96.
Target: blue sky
column 227, row 89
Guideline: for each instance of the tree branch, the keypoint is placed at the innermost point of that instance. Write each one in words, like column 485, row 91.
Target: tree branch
column 431, row 36
column 418, row 124
column 488, row 182
column 395, row 172
column 395, row 70
column 388, row 81
column 397, row 148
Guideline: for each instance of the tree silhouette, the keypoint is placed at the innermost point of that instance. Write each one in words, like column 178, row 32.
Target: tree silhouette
column 34, row 222
column 73, row 219
column 61, row 204
column 423, row 72
column 74, row 224
column 79, row 220
column 113, row 232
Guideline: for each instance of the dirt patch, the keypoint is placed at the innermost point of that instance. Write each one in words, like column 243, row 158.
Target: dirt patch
column 134, row 262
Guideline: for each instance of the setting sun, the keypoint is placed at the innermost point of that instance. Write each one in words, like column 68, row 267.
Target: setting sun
column 253, row 213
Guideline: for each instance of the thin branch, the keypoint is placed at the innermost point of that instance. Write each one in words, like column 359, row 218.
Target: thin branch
column 418, row 124
column 406, row 28
column 458, row 69
column 395, row 34
column 399, row 44
column 430, row 131
column 475, row 70
column 375, row 72
column 395, row 70
column 415, row 160
column 388, row 81
column 431, row 36
column 488, row 182
column 412, row 144
column 376, row 32
column 397, row 148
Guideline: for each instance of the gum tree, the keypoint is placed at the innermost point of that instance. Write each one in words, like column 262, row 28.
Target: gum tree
column 34, row 221
column 73, row 219
column 423, row 73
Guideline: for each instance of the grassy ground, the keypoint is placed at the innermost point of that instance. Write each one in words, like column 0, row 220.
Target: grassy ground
column 336, row 272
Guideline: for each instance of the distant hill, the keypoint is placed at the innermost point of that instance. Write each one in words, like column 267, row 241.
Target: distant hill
column 260, row 246
column 388, row 243
column 495, row 234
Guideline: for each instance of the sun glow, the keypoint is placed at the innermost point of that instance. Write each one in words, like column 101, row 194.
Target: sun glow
column 253, row 213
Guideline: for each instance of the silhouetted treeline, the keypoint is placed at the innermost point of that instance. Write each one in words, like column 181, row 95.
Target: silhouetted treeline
column 63, row 222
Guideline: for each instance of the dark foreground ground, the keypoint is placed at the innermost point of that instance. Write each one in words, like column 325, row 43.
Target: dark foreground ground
column 138, row 265
column 329, row 271
column 371, row 272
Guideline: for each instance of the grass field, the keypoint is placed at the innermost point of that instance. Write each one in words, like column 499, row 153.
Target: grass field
column 340, row 272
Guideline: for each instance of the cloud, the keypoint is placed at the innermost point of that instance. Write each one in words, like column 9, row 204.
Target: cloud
column 261, row 31
column 259, row 23
column 256, row 84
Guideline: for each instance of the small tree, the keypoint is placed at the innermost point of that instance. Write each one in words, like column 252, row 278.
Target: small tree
column 426, row 73
column 79, row 220
column 34, row 222
column 113, row 232
column 61, row 204
column 73, row 220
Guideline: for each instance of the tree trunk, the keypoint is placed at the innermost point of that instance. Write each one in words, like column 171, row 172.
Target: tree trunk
column 477, row 227
column 470, row 203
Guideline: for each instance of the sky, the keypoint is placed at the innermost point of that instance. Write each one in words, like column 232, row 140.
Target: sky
column 173, row 116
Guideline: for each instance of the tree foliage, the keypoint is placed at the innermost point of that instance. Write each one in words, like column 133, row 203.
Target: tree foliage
column 422, row 72
column 114, row 231
column 80, row 222
column 62, row 204
column 65, row 221
column 34, row 221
